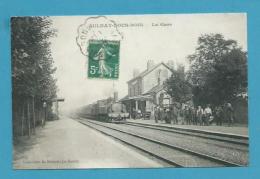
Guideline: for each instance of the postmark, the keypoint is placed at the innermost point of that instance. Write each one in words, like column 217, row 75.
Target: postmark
column 103, row 59
column 99, row 40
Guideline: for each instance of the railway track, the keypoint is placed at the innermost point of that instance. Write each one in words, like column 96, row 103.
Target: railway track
column 218, row 136
column 171, row 154
column 224, row 137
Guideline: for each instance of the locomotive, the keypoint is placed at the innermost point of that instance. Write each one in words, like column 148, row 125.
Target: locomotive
column 106, row 110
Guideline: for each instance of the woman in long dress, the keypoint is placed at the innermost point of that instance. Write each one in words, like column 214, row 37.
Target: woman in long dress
column 101, row 56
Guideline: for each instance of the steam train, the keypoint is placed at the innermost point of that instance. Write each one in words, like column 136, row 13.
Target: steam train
column 106, row 110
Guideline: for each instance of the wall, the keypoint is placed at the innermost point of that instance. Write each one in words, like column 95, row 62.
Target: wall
column 135, row 87
column 151, row 79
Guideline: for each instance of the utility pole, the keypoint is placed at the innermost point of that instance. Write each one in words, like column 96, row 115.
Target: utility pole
column 33, row 112
column 45, row 113
column 28, row 118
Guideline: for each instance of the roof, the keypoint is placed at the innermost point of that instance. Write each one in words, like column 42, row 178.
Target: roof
column 155, row 89
column 144, row 96
column 124, row 98
column 139, row 97
column 147, row 71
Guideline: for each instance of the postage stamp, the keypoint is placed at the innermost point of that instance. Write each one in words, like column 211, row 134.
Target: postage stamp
column 103, row 59
column 99, row 40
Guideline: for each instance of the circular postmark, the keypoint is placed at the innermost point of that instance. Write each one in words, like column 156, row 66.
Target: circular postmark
column 99, row 40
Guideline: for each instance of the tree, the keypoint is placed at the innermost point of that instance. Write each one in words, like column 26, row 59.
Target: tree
column 32, row 68
column 178, row 87
column 31, row 57
column 218, row 70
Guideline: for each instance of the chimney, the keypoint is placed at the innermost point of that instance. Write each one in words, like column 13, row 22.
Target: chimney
column 150, row 64
column 115, row 96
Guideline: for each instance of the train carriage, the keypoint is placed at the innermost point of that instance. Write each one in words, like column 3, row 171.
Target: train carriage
column 105, row 110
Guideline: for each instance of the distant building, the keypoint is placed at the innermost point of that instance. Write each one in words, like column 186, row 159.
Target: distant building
column 145, row 90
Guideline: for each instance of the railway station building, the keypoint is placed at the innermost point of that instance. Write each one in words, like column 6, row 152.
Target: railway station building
column 145, row 89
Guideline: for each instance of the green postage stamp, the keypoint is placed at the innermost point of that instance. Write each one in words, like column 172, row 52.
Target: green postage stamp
column 103, row 59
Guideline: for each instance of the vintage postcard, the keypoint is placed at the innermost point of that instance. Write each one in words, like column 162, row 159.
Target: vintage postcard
column 130, row 91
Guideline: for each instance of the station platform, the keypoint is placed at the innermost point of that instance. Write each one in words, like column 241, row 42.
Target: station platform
column 67, row 144
column 236, row 129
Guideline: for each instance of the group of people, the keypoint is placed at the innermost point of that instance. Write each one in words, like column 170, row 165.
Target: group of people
column 197, row 116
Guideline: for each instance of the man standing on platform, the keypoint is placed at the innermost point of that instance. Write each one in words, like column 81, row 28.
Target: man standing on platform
column 219, row 115
column 200, row 114
column 229, row 114
column 208, row 113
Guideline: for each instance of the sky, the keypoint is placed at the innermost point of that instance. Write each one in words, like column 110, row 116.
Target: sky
column 159, row 38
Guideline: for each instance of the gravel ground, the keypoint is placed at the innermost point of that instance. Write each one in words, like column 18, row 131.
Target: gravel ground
column 182, row 158
column 223, row 150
